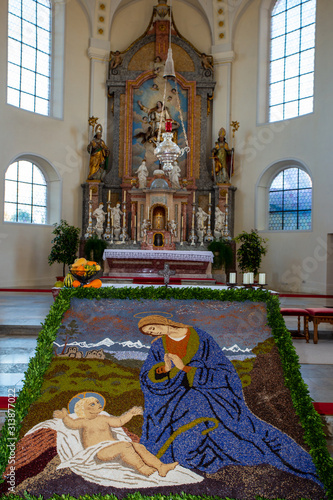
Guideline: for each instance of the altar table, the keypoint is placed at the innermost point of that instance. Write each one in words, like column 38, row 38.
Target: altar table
column 186, row 264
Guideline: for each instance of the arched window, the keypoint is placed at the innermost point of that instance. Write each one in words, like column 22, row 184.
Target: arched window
column 29, row 55
column 25, row 193
column 292, row 55
column 290, row 200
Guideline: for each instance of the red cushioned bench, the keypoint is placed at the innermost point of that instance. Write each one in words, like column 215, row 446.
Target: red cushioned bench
column 319, row 315
column 296, row 311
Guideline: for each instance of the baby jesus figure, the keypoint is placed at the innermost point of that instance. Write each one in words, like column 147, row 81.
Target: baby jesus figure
column 97, row 428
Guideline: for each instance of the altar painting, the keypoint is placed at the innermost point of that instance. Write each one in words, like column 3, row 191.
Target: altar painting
column 146, row 120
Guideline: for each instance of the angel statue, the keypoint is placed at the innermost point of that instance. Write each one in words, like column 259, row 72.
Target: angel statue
column 99, row 155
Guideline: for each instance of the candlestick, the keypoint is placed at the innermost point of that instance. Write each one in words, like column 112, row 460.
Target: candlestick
column 109, row 195
column 232, row 278
column 262, row 278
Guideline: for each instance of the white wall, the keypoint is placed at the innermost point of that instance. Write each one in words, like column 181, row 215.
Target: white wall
column 295, row 260
column 24, row 248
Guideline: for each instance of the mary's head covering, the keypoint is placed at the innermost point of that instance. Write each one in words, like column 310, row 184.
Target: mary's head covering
column 158, row 320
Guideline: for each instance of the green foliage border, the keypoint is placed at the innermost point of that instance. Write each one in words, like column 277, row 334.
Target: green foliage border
column 309, row 418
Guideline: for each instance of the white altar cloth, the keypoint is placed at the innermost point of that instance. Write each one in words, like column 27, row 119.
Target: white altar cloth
column 193, row 256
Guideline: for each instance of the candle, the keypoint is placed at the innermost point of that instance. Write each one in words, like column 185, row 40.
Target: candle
column 109, row 195
column 134, row 220
column 262, row 278
column 250, row 278
column 111, row 220
column 193, row 197
column 210, row 198
column 124, row 220
column 148, row 212
column 232, row 278
column 90, row 194
column 124, row 195
column 168, row 214
column 226, row 198
column 245, row 279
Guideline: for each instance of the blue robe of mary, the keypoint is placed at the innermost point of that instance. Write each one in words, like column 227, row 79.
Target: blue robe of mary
column 200, row 419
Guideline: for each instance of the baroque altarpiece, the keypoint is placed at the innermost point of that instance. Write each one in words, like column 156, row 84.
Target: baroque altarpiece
column 153, row 210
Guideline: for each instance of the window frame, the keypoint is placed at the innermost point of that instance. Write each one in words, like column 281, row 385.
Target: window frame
column 53, row 185
column 57, row 60
column 33, row 184
column 264, row 48
column 283, row 190
column 262, row 195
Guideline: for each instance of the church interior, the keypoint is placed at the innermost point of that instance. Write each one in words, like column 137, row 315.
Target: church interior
column 160, row 127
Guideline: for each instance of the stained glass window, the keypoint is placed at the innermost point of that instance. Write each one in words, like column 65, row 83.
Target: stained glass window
column 29, row 55
column 25, row 193
column 290, row 200
column 292, row 55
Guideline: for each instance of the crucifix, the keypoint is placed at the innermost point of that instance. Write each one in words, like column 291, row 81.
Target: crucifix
column 166, row 273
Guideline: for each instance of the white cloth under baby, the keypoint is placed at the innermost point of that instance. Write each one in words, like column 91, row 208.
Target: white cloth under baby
column 83, row 461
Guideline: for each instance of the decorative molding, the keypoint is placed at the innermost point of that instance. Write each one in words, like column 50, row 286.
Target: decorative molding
column 222, row 57
column 99, row 49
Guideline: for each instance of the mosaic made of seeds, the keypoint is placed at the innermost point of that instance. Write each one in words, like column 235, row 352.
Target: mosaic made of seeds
column 165, row 397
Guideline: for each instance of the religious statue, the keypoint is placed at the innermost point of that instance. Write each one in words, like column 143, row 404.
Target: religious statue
column 116, row 214
column 116, row 60
column 202, row 217
column 223, row 158
column 207, row 62
column 175, row 175
column 99, row 215
column 219, row 223
column 142, row 174
column 173, row 227
column 144, row 226
column 99, row 155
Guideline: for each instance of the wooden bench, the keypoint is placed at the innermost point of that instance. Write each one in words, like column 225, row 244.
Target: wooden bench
column 296, row 311
column 319, row 315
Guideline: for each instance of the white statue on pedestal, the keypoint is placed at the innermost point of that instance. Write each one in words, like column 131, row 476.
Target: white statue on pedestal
column 175, row 175
column 219, row 223
column 116, row 217
column 144, row 226
column 202, row 217
column 142, row 175
column 99, row 215
column 173, row 228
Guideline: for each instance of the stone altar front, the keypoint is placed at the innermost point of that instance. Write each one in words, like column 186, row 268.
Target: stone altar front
column 186, row 264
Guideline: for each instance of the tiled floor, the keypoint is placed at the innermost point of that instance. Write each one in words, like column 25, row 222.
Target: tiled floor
column 28, row 310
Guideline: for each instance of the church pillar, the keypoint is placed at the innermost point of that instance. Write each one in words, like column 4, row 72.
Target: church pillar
column 99, row 54
column 222, row 94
